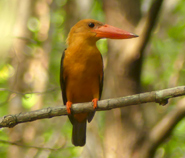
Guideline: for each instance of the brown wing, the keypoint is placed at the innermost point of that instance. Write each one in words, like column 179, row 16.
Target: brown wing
column 63, row 84
column 101, row 82
column 62, row 80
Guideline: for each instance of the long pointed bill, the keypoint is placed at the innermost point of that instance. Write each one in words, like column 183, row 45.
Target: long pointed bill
column 108, row 31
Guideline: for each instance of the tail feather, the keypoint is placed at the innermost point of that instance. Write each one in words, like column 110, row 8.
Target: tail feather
column 79, row 133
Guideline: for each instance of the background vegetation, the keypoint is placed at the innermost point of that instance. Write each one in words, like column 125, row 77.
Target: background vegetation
column 32, row 41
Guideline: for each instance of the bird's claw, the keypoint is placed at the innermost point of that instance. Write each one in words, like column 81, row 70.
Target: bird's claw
column 68, row 106
column 95, row 103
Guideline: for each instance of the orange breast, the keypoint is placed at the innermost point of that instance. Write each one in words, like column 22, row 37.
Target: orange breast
column 83, row 71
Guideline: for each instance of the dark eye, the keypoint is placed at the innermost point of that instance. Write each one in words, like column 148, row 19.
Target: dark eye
column 91, row 25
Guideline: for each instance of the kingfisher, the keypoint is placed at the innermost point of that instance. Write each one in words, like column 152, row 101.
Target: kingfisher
column 81, row 71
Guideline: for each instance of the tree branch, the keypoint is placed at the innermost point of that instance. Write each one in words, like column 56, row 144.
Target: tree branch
column 150, row 23
column 160, row 97
column 29, row 146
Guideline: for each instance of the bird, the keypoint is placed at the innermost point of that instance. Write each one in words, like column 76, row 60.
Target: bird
column 81, row 70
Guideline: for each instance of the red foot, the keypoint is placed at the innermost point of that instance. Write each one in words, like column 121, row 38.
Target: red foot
column 68, row 106
column 95, row 103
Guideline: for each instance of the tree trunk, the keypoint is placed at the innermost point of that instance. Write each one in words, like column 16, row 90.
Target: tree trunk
column 122, row 77
column 30, row 65
column 126, row 128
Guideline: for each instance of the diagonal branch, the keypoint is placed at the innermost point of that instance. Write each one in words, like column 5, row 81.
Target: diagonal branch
column 150, row 23
column 160, row 97
column 163, row 129
column 28, row 146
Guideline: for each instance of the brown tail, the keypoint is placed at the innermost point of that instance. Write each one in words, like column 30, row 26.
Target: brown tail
column 79, row 133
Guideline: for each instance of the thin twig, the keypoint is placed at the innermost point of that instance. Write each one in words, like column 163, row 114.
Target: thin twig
column 27, row 146
column 21, row 93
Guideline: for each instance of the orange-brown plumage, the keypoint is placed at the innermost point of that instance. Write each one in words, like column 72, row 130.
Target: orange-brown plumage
column 82, row 70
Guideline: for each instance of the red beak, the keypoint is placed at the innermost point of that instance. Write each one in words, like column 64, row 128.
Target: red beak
column 108, row 31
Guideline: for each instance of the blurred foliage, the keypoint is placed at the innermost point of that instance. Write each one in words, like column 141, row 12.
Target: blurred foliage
column 166, row 52
column 173, row 147
column 161, row 69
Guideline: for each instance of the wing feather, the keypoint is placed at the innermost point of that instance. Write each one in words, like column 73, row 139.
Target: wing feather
column 62, row 80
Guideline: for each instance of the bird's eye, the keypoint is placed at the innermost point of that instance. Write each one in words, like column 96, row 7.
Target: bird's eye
column 91, row 25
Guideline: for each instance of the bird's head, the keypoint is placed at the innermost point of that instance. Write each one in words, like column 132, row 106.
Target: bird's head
column 90, row 30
